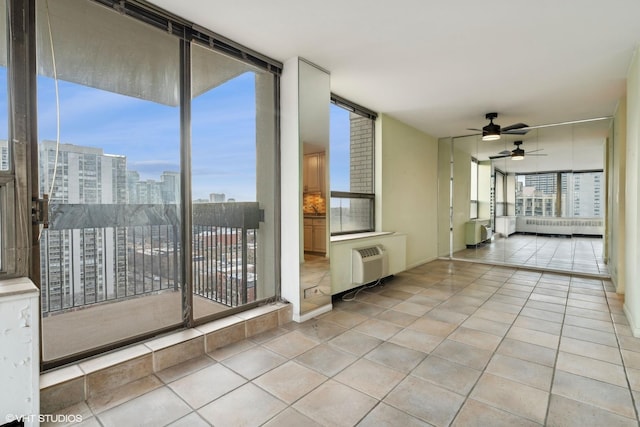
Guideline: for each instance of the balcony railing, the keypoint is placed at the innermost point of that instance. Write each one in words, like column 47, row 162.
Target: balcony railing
column 100, row 253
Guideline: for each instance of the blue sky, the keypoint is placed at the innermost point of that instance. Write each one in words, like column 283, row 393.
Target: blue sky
column 147, row 133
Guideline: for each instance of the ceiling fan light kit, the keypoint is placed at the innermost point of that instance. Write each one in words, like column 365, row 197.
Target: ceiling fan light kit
column 491, row 132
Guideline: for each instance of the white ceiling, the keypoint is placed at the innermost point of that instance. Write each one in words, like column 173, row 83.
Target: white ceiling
column 440, row 66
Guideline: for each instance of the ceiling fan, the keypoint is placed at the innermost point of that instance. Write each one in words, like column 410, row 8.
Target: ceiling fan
column 492, row 131
column 517, row 153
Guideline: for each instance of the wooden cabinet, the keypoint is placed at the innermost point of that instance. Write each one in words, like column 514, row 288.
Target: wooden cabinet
column 315, row 235
column 313, row 173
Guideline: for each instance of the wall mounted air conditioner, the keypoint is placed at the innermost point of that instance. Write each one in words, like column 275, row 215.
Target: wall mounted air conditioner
column 369, row 264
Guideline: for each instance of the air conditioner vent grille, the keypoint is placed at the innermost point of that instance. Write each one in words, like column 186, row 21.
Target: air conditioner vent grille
column 369, row 252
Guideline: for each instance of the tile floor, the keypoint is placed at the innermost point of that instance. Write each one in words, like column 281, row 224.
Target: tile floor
column 446, row 343
column 576, row 254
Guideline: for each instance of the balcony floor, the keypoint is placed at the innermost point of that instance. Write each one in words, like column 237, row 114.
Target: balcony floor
column 446, row 343
column 576, row 254
column 72, row 332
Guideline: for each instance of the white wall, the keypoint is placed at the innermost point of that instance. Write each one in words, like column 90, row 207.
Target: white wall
column 632, row 199
column 407, row 187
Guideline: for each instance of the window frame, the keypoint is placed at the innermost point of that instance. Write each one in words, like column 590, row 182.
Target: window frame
column 344, row 195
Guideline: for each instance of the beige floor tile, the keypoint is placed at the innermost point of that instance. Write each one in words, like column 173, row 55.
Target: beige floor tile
column 478, row 414
column 535, row 296
column 396, row 294
column 291, row 418
column 416, row 340
column 507, row 299
column 388, row 416
column 355, row 343
column 538, row 325
column 74, row 412
column 326, row 359
column 534, row 337
column 589, row 314
column 634, row 378
column 344, row 318
column 631, row 358
column 396, row 356
column 182, row 369
column 267, row 335
column 567, row 412
column 411, row 308
column 321, row 330
column 290, row 381
column 248, row 405
column 158, row 407
column 425, row 401
column 475, row 338
column 370, row 378
column 397, row 317
column 587, row 305
column 203, row 386
column 522, row 371
column 452, row 376
column 599, row 325
column 545, row 306
column 377, row 300
column 502, row 307
column 291, row 344
column 111, row 398
column 590, row 335
column 446, row 316
column 334, row 404
column 630, row 343
column 597, row 393
column 231, row 349
column 593, row 350
column 495, row 316
column 522, row 400
column 433, row 327
column 591, row 368
column 367, row 309
column 191, row 420
column 424, row 300
column 463, row 354
column 486, row 325
column 378, row 328
column 254, row 362
column 550, row 316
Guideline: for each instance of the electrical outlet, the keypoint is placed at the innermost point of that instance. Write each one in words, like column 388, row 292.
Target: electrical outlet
column 311, row 292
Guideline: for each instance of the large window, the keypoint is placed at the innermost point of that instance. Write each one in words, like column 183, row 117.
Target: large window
column 5, row 158
column 126, row 153
column 351, row 167
column 560, row 194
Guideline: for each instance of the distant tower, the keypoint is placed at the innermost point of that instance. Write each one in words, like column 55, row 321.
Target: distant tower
column 217, row 197
column 74, row 262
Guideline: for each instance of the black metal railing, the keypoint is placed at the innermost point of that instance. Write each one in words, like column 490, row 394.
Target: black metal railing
column 99, row 253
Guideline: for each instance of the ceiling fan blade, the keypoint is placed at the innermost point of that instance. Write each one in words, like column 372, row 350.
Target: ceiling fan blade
column 477, row 130
column 500, row 156
column 514, row 126
column 505, row 152
column 536, row 154
column 534, row 151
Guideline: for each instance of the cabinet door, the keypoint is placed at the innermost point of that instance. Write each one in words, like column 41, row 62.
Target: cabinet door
column 319, row 235
column 311, row 173
column 308, row 238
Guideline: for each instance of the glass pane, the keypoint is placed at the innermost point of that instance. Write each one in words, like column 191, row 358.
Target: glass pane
column 233, row 169
column 351, row 151
column 110, row 268
column 351, row 215
column 5, row 158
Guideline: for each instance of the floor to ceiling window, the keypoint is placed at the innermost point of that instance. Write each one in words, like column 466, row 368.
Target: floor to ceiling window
column 115, row 134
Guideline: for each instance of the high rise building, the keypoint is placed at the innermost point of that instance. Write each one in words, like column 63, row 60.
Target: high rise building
column 4, row 155
column 83, row 264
